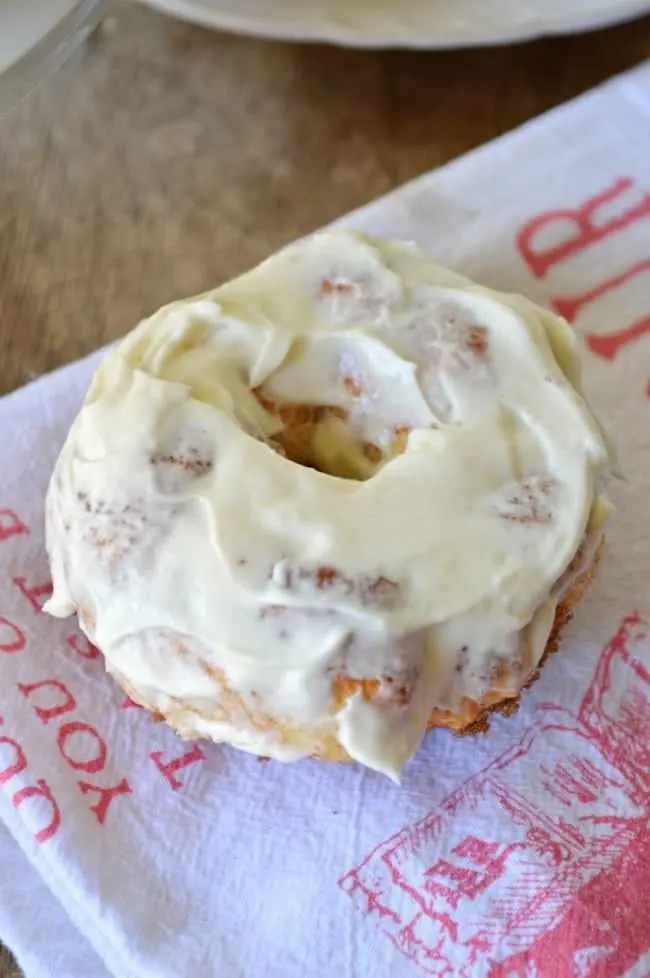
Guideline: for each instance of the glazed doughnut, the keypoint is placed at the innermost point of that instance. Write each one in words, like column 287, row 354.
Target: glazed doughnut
column 343, row 498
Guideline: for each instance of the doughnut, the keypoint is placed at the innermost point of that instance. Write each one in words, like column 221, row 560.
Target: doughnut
column 343, row 499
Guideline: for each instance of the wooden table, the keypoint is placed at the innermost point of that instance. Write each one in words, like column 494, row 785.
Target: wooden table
column 164, row 159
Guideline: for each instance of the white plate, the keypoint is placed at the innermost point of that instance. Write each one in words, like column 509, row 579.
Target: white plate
column 404, row 23
column 36, row 37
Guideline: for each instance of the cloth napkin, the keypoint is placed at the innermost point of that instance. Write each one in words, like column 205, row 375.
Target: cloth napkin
column 128, row 852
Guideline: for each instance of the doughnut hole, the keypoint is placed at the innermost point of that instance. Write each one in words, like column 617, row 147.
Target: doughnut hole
column 323, row 437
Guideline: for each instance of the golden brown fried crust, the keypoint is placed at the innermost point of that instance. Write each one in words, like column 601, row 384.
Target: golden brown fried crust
column 477, row 720
column 321, row 742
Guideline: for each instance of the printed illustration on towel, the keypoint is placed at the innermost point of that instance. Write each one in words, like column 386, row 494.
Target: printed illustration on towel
column 560, row 888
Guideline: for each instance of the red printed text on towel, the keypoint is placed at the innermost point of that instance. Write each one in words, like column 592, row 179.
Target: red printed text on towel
column 552, row 237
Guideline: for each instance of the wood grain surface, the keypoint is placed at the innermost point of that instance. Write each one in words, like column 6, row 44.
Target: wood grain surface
column 8, row 966
column 165, row 158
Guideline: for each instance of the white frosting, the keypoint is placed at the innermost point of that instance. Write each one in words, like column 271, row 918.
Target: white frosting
column 196, row 550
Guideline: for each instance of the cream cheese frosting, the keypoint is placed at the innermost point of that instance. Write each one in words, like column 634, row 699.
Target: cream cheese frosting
column 451, row 470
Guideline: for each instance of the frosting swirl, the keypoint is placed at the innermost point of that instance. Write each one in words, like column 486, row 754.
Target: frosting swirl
column 348, row 462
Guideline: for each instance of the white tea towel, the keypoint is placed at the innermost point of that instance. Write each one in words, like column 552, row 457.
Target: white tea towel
column 526, row 852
